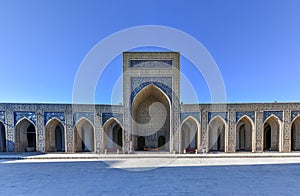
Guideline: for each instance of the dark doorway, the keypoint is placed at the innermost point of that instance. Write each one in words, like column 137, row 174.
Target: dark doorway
column 119, row 142
column 161, row 141
column 219, row 143
column 293, row 147
column 267, row 135
column 141, row 143
column 2, row 138
column 242, row 138
column 59, row 139
column 31, row 137
column 117, row 136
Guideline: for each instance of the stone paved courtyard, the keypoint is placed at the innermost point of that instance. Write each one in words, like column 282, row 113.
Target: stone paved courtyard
column 190, row 176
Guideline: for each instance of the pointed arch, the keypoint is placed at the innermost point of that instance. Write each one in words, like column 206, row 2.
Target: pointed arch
column 244, row 134
column 54, row 136
column 113, row 135
column 216, row 134
column 84, row 136
column 271, row 133
column 141, row 92
column 189, row 134
column 25, row 136
column 295, row 134
column 151, row 117
column 2, row 138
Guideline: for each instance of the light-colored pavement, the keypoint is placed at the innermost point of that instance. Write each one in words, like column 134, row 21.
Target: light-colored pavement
column 145, row 155
column 79, row 174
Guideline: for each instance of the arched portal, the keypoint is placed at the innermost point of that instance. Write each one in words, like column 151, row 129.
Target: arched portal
column 54, row 136
column 244, row 131
column 25, row 136
column 271, row 134
column 295, row 134
column 84, row 136
column 113, row 135
column 151, row 118
column 189, row 135
column 216, row 135
column 2, row 138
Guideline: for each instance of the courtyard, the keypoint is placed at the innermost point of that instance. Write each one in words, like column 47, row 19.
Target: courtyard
column 151, row 176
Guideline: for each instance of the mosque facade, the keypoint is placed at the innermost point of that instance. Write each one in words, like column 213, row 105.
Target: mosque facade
column 152, row 118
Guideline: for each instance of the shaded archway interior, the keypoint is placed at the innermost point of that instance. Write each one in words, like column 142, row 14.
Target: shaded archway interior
column 295, row 135
column 271, row 134
column 113, row 136
column 84, row 136
column 25, row 136
column 2, row 138
column 244, row 131
column 216, row 135
column 54, row 136
column 189, row 137
column 151, row 119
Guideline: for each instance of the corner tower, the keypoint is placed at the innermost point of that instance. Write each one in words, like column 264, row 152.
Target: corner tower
column 151, row 93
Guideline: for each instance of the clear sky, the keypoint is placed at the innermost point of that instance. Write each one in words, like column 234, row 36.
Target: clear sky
column 255, row 43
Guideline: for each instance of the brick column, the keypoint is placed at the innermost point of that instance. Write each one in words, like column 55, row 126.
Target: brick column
column 286, row 132
column 259, row 131
column 204, row 132
column 176, row 127
column 98, row 132
column 40, row 143
column 11, row 135
column 231, row 142
column 69, row 132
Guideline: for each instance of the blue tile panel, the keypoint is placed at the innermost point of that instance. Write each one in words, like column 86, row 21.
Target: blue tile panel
column 88, row 115
column 2, row 116
column 184, row 115
column 223, row 115
column 106, row 116
column 279, row 114
column 21, row 114
column 49, row 115
column 294, row 114
column 151, row 63
column 250, row 114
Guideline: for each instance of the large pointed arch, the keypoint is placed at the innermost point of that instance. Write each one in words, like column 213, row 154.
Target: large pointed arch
column 25, row 136
column 151, row 118
column 54, row 136
column 84, row 136
column 113, row 135
column 216, row 134
column 189, row 134
column 295, row 134
column 271, row 134
column 2, row 138
column 244, row 134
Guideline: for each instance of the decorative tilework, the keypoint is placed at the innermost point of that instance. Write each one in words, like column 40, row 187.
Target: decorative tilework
column 250, row 114
column 137, row 81
column 279, row 114
column 49, row 115
column 184, row 115
column 106, row 116
column 211, row 115
column 2, row 116
column 20, row 114
column 78, row 115
column 151, row 63
column 294, row 114
column 163, row 83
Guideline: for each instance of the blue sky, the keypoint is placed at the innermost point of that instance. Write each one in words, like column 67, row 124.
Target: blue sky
column 255, row 43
